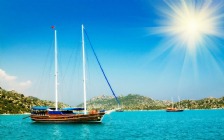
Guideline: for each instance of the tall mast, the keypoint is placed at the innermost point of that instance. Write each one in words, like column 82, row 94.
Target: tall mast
column 56, row 69
column 172, row 101
column 179, row 101
column 84, row 69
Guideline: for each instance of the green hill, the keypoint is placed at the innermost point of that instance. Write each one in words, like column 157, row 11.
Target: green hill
column 129, row 102
column 138, row 102
column 206, row 103
column 15, row 103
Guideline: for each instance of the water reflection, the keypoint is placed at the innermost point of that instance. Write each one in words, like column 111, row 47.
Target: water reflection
column 57, row 131
column 67, row 130
column 85, row 131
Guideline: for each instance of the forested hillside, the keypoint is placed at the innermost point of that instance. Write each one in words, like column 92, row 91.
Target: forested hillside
column 138, row 102
column 15, row 103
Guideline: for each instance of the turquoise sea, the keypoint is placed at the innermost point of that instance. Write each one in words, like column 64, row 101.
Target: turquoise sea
column 139, row 125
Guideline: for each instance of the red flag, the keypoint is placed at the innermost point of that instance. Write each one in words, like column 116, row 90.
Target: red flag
column 53, row 27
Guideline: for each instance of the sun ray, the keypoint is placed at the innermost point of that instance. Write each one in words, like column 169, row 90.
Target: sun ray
column 189, row 21
column 194, row 31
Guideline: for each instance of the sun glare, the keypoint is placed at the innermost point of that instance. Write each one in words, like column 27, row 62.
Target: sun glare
column 190, row 36
column 188, row 22
column 191, row 29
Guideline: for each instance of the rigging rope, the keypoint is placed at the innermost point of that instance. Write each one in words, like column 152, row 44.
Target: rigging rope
column 101, row 67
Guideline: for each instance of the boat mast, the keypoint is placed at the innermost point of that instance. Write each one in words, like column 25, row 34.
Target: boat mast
column 172, row 101
column 56, row 69
column 84, row 69
column 179, row 101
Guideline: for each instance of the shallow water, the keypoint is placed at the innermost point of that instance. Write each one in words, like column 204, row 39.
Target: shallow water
column 141, row 125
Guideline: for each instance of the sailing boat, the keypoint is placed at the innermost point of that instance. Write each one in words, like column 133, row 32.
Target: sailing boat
column 119, row 109
column 174, row 109
column 73, row 115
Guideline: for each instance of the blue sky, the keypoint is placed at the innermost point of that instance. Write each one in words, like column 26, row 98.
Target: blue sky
column 135, row 40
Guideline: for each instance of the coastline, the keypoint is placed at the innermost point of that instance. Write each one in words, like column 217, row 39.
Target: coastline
column 130, row 111
column 15, row 114
column 165, row 109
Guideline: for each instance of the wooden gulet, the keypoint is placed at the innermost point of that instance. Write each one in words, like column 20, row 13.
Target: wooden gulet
column 71, row 115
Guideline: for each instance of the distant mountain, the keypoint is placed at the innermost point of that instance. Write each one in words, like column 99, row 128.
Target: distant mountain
column 15, row 103
column 129, row 102
column 206, row 103
column 138, row 102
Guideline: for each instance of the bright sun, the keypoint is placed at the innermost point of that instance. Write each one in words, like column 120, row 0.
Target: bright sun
column 189, row 22
column 189, row 46
column 192, row 27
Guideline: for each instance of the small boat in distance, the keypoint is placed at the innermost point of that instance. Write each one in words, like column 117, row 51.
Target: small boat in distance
column 119, row 109
column 71, row 115
column 174, row 109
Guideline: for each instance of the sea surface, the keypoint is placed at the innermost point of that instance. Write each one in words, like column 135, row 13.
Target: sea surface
column 139, row 125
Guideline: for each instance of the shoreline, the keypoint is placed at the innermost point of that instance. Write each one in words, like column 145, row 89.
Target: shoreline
column 183, row 109
column 15, row 114
column 129, row 111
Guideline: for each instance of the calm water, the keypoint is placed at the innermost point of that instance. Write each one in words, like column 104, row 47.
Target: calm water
column 142, row 125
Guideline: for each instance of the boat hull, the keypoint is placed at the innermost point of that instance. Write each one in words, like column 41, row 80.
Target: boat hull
column 174, row 110
column 68, row 118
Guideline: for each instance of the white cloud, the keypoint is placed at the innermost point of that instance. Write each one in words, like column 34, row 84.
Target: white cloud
column 25, row 84
column 6, row 77
column 10, row 82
